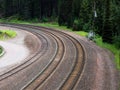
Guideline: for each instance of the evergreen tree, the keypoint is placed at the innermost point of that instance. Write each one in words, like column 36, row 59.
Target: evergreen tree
column 116, row 23
column 37, row 9
column 86, row 15
column 1, row 8
column 65, row 13
column 76, row 8
column 8, row 8
column 107, row 29
column 81, row 12
column 100, row 16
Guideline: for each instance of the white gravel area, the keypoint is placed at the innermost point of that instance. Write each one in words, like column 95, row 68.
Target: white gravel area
column 16, row 50
column 14, row 54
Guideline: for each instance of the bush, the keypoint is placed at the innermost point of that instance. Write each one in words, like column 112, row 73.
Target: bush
column 87, row 27
column 77, row 25
column 117, row 41
column 44, row 19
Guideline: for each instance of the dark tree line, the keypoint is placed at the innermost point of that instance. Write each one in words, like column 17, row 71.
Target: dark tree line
column 77, row 14
column 28, row 9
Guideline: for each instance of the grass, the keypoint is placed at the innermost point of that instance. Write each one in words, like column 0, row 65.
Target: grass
column 49, row 25
column 98, row 39
column 81, row 33
column 4, row 34
column 53, row 25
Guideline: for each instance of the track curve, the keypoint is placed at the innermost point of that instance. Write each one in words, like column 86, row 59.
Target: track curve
column 62, row 62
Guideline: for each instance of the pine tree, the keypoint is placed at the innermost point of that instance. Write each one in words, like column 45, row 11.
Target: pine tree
column 76, row 7
column 107, row 29
column 1, row 8
column 8, row 8
column 65, row 13
column 86, row 15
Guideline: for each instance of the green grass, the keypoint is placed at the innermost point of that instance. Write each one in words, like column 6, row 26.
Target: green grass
column 4, row 34
column 81, row 33
column 55, row 25
column 49, row 25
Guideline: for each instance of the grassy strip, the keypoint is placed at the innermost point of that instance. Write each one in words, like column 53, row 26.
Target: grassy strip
column 81, row 33
column 4, row 34
column 49, row 25
column 98, row 40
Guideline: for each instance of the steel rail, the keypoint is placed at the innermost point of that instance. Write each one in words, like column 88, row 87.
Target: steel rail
column 71, row 79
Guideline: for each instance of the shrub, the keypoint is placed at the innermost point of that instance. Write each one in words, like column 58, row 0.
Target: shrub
column 77, row 25
column 117, row 41
column 44, row 19
column 87, row 27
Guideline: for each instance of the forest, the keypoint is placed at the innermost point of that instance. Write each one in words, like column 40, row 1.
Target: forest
column 100, row 16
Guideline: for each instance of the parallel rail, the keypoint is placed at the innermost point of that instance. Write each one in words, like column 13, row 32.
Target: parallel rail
column 66, row 60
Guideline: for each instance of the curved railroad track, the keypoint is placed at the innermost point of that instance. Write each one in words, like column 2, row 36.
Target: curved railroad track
column 63, row 61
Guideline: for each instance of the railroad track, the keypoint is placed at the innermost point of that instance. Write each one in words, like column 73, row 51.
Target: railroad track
column 61, row 62
column 63, row 50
